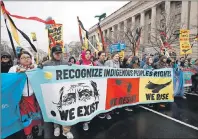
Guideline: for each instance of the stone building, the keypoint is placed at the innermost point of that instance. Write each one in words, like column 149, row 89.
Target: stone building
column 148, row 14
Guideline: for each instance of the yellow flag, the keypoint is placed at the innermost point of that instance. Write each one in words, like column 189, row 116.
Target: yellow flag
column 121, row 54
column 33, row 35
column 14, row 33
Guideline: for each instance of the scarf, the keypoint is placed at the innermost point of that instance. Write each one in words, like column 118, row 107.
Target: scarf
column 29, row 67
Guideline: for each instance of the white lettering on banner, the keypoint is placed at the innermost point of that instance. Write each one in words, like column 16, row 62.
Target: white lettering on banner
column 72, row 100
column 4, row 106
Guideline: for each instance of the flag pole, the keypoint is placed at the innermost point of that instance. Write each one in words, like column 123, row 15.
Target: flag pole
column 92, row 45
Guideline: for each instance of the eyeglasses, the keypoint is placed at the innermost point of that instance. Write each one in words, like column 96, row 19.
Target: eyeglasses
column 87, row 53
column 24, row 58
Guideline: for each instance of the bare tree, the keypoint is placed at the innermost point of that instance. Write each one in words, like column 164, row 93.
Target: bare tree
column 129, row 36
column 75, row 49
column 166, row 32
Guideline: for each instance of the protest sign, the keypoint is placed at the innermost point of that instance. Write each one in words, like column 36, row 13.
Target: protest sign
column 185, row 47
column 188, row 72
column 55, row 34
column 71, row 94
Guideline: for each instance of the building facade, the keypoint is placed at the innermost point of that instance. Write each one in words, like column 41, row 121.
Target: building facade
column 149, row 15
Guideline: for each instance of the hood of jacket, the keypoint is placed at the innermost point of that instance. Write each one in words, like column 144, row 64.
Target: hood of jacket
column 4, row 53
column 84, row 60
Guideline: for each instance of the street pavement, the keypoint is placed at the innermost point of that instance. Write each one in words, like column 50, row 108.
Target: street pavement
column 179, row 120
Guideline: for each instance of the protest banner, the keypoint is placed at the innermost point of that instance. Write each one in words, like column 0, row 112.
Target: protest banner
column 185, row 47
column 188, row 72
column 178, row 83
column 55, row 35
column 12, row 85
column 79, row 93
column 156, row 89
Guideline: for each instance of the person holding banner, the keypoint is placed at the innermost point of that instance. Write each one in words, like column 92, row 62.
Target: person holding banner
column 135, row 63
column 28, row 102
column 56, row 60
column 149, row 63
column 86, row 60
column 101, row 62
column 6, row 62
column 162, row 63
column 194, row 77
column 114, row 62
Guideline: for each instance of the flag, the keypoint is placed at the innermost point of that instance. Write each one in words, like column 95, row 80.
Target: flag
column 27, row 18
column 7, row 17
column 137, row 40
column 196, row 38
column 14, row 33
column 12, row 85
column 101, row 35
column 164, row 38
column 33, row 35
column 83, row 34
column 99, row 46
column 10, row 37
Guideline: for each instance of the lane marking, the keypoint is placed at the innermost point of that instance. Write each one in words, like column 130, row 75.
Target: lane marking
column 192, row 94
column 168, row 117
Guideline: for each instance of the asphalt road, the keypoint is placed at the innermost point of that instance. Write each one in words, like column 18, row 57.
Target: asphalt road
column 147, row 123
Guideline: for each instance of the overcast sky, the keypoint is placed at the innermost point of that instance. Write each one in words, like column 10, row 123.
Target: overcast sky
column 62, row 12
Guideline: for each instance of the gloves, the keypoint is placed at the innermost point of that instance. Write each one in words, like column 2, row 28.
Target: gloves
column 40, row 66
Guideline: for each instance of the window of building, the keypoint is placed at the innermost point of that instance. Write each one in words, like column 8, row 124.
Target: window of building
column 178, row 4
column 178, row 18
column 162, row 8
column 129, row 23
column 149, row 37
column 149, row 15
column 162, row 23
column 149, row 27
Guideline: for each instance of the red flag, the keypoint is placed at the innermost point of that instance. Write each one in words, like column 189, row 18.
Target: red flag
column 102, row 38
column 27, row 18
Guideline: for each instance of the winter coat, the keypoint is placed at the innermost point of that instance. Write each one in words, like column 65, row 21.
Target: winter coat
column 112, row 64
column 5, row 66
column 84, row 61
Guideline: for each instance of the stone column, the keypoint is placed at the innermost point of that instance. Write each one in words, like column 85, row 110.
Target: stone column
column 142, row 24
column 112, row 33
column 133, row 22
column 108, row 33
column 125, row 25
column 168, row 7
column 153, row 19
column 184, row 15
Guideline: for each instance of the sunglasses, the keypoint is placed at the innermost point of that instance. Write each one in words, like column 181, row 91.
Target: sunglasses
column 4, row 57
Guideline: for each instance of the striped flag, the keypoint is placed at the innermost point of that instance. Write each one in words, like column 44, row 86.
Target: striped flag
column 99, row 46
column 137, row 40
column 14, row 30
column 27, row 18
column 83, row 34
column 101, row 35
